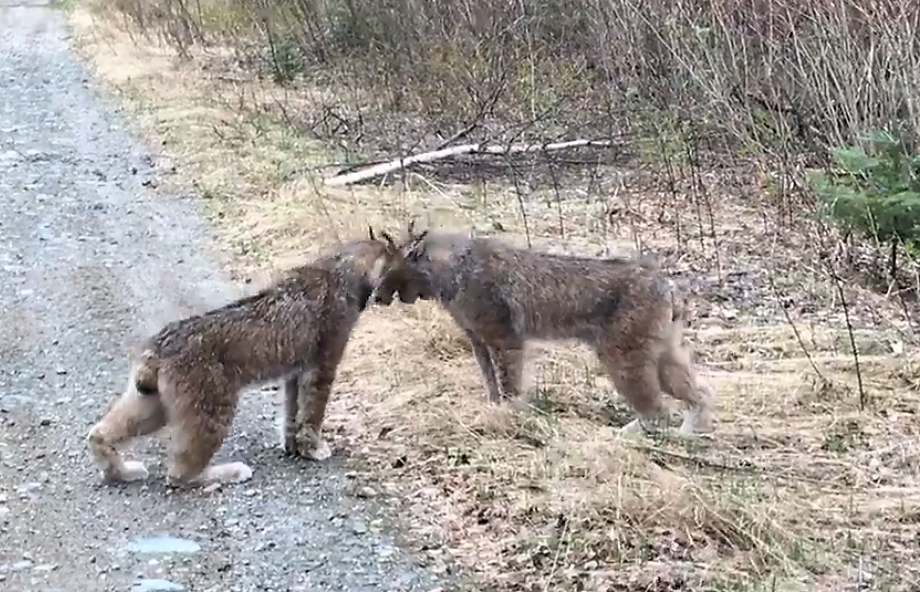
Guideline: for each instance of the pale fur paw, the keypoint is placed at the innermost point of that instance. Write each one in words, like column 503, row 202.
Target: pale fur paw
column 688, row 431
column 214, row 475
column 134, row 470
column 632, row 429
column 640, row 427
column 130, row 470
column 234, row 472
column 697, row 424
column 318, row 452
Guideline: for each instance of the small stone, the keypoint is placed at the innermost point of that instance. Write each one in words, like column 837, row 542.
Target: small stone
column 27, row 488
column 366, row 492
column 21, row 565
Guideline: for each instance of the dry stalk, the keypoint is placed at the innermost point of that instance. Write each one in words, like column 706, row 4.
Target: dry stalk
column 788, row 317
column 838, row 284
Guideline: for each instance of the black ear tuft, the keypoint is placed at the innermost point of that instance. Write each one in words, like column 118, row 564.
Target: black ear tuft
column 389, row 240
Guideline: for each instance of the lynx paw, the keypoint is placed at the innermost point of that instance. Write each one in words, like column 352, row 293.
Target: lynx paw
column 134, row 471
column 317, row 451
column 697, row 423
column 632, row 428
column 289, row 444
column 225, row 474
column 235, row 472
column 640, row 426
column 130, row 470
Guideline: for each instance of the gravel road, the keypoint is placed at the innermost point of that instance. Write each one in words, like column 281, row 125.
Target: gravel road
column 89, row 260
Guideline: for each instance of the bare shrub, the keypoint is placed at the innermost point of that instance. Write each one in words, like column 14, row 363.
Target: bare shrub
column 767, row 71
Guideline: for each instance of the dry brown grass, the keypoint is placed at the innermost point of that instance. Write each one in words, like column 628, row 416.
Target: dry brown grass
column 798, row 490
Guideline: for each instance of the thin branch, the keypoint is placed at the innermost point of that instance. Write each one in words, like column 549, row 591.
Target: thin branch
column 477, row 148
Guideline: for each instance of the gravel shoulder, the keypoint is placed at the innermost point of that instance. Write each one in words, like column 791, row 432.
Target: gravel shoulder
column 89, row 261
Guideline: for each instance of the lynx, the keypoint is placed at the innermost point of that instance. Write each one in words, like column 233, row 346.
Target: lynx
column 624, row 308
column 190, row 375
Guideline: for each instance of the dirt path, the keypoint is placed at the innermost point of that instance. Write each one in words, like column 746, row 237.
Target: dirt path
column 88, row 261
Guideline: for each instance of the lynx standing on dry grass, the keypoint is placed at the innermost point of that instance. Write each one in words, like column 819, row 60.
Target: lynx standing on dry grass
column 502, row 296
column 191, row 374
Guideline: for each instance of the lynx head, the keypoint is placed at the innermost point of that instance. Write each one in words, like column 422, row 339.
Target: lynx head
column 402, row 278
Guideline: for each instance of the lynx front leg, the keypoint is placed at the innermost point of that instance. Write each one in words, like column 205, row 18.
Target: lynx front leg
column 486, row 368
column 312, row 397
column 679, row 379
column 509, row 364
column 191, row 450
column 635, row 376
column 132, row 415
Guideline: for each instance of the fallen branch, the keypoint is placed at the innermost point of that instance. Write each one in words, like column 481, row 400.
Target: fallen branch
column 401, row 163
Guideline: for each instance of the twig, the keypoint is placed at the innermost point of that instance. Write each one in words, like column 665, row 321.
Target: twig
column 520, row 199
column 554, row 567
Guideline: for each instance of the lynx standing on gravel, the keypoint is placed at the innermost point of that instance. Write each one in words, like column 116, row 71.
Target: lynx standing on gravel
column 191, row 374
column 502, row 296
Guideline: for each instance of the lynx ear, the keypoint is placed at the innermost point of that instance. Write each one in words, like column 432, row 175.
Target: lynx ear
column 370, row 232
column 389, row 240
column 415, row 247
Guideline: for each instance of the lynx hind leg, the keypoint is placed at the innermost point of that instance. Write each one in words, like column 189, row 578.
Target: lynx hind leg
column 199, row 434
column 291, row 388
column 679, row 379
column 132, row 415
column 635, row 376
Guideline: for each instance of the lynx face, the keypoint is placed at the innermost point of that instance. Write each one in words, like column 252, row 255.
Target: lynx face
column 405, row 281
column 405, row 278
